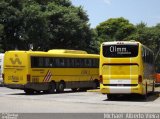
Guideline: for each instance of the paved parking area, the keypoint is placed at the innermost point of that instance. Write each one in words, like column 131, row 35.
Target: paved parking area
column 16, row 101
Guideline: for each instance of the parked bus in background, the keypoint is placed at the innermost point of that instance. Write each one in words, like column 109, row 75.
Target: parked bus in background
column 157, row 82
column 34, row 71
column 126, row 67
column 1, row 68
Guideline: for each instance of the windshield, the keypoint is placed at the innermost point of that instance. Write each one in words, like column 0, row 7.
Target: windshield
column 130, row 50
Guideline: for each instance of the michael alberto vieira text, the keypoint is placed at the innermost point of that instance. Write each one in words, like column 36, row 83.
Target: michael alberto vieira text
column 131, row 115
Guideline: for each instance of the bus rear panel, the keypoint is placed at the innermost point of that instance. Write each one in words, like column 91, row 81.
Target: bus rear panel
column 15, row 69
column 122, row 68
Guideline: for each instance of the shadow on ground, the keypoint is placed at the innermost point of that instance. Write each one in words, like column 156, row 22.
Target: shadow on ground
column 45, row 93
column 137, row 98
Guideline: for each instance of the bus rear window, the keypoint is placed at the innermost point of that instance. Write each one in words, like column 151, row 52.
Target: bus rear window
column 120, row 50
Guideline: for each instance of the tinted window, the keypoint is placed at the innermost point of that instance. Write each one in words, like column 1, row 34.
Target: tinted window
column 55, row 62
column 120, row 50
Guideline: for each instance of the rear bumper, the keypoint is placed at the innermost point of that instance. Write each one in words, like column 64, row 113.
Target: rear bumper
column 121, row 89
column 15, row 86
column 34, row 86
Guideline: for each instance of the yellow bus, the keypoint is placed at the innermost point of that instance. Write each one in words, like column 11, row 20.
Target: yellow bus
column 55, row 70
column 126, row 67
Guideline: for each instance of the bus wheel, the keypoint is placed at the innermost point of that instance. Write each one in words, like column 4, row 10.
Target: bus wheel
column 29, row 91
column 74, row 89
column 111, row 96
column 38, row 92
column 96, row 84
column 52, row 87
column 60, row 87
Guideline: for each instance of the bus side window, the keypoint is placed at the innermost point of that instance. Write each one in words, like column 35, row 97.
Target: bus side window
column 34, row 62
column 40, row 62
column 65, row 62
column 82, row 63
column 61, row 62
column 56, row 62
column 46, row 62
column 77, row 62
column 95, row 63
column 37, row 62
column 51, row 62
column 88, row 62
column 72, row 63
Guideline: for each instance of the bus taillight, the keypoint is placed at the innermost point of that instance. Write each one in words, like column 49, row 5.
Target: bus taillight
column 28, row 77
column 139, row 79
column 3, row 76
column 101, row 79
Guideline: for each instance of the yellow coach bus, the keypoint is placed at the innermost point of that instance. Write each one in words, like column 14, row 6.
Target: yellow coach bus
column 34, row 71
column 126, row 67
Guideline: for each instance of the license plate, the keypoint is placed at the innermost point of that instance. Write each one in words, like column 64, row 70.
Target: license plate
column 15, row 78
column 120, row 81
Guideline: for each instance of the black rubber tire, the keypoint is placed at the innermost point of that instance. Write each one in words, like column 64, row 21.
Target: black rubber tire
column 29, row 91
column 60, row 87
column 52, row 87
column 111, row 96
column 74, row 89
column 96, row 84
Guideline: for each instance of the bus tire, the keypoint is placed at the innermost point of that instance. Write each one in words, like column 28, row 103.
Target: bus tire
column 38, row 92
column 74, row 89
column 111, row 96
column 60, row 87
column 29, row 91
column 96, row 84
column 52, row 87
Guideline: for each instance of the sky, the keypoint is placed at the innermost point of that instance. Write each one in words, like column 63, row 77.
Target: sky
column 136, row 11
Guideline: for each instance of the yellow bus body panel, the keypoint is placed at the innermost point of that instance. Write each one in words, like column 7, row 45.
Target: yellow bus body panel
column 67, row 74
column 15, row 67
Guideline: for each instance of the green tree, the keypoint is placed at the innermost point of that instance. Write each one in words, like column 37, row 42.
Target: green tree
column 149, row 36
column 35, row 27
column 10, row 18
column 115, row 29
column 1, row 34
column 68, row 27
column 45, row 24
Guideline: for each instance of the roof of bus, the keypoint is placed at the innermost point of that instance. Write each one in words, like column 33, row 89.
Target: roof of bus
column 121, row 42
column 56, row 54
column 67, row 51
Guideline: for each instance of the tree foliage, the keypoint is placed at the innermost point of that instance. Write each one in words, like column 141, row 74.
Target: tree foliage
column 46, row 24
column 149, row 36
column 115, row 29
